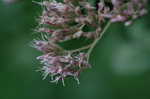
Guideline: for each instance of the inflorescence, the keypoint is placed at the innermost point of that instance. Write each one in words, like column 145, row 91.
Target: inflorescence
column 64, row 21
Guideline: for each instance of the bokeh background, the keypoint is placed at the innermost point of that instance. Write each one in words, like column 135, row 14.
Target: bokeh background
column 121, row 60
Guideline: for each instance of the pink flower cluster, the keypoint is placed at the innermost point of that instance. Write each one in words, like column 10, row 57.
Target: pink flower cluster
column 126, row 11
column 63, row 21
column 60, row 64
column 60, row 67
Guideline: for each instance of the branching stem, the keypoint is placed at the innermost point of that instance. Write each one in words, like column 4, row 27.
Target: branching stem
column 96, row 40
column 90, row 47
column 81, row 49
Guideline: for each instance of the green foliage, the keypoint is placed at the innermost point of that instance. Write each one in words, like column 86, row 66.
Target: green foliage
column 121, row 66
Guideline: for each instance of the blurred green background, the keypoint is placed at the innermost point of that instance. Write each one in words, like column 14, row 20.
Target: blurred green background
column 121, row 60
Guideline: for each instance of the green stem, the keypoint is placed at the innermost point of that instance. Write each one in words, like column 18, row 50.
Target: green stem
column 96, row 41
column 80, row 49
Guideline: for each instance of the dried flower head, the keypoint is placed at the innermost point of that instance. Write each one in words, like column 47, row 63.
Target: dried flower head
column 70, row 19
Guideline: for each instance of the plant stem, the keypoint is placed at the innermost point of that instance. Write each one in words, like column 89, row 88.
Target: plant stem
column 80, row 49
column 96, row 41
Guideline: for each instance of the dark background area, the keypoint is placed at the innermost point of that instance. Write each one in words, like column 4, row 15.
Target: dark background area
column 121, row 60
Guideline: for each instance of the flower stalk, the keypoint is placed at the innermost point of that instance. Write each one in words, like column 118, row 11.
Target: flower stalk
column 97, row 40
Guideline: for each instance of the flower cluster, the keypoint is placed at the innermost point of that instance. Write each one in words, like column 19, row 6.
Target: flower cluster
column 71, row 19
column 67, row 20
column 126, row 10
column 60, row 64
